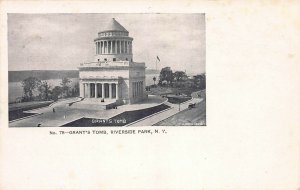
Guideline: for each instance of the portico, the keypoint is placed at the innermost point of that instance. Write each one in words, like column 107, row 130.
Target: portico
column 103, row 90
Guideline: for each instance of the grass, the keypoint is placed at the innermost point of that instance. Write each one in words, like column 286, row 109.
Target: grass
column 165, row 90
column 178, row 100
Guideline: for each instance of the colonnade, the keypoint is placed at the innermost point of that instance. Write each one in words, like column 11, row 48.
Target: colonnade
column 99, row 90
column 137, row 88
column 114, row 47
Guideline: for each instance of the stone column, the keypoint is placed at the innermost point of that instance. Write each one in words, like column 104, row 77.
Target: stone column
column 131, row 47
column 81, row 89
column 96, row 93
column 111, row 48
column 102, row 93
column 138, row 88
column 126, row 47
column 104, row 47
column 141, row 88
column 99, row 48
column 134, row 89
column 88, row 90
column 108, row 48
column 96, row 48
column 120, row 46
column 110, row 91
column 84, row 92
column 114, row 42
column 117, row 91
column 101, row 45
column 124, row 44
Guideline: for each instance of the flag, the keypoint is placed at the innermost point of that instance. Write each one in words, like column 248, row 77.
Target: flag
column 157, row 58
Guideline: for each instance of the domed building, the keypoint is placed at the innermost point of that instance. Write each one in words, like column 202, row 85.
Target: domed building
column 113, row 76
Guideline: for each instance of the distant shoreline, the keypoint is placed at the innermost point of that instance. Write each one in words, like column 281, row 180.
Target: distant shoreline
column 17, row 76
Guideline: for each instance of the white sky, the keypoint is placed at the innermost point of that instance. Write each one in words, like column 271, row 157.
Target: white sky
column 63, row 41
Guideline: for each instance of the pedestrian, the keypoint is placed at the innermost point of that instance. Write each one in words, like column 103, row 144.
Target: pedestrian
column 53, row 110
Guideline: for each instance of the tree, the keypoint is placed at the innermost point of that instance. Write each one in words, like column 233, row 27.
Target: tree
column 65, row 86
column 166, row 74
column 45, row 91
column 75, row 90
column 180, row 76
column 200, row 81
column 154, row 79
column 56, row 92
column 29, row 85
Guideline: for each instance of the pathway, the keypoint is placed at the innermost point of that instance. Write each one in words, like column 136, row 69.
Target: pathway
column 163, row 115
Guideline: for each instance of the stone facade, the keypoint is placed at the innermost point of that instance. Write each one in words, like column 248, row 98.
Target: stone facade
column 113, row 75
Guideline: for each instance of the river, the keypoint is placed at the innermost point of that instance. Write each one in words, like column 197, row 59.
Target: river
column 15, row 89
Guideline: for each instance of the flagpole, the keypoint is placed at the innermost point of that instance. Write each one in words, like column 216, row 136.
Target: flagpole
column 156, row 64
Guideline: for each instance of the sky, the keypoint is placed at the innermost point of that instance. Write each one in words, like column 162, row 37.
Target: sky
column 63, row 41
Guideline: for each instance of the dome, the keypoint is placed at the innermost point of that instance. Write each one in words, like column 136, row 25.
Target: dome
column 113, row 25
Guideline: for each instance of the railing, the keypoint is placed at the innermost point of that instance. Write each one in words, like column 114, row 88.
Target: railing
column 105, row 64
column 111, row 64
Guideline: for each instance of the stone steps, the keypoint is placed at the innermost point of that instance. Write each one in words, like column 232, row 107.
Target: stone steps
column 94, row 104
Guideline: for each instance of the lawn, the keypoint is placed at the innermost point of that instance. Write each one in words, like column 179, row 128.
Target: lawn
column 164, row 90
column 177, row 99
